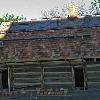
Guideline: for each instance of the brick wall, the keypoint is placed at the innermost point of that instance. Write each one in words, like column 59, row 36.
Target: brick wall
column 78, row 42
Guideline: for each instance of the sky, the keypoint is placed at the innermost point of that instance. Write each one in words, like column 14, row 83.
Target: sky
column 31, row 8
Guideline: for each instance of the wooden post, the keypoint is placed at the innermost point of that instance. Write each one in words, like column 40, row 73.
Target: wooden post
column 8, row 79
column 12, row 78
column 85, row 77
column 94, row 59
column 73, row 78
column 0, row 79
column 42, row 76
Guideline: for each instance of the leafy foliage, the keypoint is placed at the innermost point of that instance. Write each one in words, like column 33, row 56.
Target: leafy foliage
column 82, row 10
column 54, row 12
column 95, row 6
column 11, row 17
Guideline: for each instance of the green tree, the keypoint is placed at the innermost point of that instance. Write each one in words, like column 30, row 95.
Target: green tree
column 82, row 10
column 54, row 12
column 95, row 7
column 11, row 17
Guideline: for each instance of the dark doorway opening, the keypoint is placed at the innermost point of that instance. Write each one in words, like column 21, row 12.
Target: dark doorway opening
column 79, row 77
column 5, row 79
